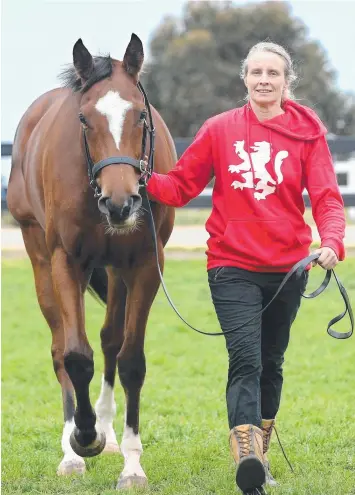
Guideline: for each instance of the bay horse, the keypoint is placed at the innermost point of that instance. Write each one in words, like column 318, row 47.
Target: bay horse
column 77, row 239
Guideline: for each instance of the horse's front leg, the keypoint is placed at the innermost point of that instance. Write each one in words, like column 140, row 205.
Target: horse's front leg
column 143, row 283
column 34, row 238
column 69, row 283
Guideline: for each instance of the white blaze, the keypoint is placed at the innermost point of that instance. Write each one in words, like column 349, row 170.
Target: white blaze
column 114, row 108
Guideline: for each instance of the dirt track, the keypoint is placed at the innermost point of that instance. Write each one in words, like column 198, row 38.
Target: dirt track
column 189, row 237
column 185, row 242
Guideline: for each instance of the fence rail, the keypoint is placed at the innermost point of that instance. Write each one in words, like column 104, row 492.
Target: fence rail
column 204, row 200
column 339, row 146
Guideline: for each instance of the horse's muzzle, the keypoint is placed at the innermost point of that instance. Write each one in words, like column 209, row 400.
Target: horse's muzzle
column 118, row 214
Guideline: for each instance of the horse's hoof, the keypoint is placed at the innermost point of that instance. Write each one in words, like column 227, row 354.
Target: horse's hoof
column 111, row 448
column 74, row 466
column 131, row 482
column 94, row 448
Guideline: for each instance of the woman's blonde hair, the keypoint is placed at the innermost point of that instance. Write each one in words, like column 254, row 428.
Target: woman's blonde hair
column 268, row 46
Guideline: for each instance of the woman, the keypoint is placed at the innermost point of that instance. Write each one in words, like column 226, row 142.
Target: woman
column 262, row 156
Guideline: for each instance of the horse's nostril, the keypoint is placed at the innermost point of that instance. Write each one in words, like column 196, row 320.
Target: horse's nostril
column 102, row 204
column 136, row 202
column 126, row 209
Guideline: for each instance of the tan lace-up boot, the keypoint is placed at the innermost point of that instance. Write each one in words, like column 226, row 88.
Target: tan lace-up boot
column 267, row 425
column 246, row 442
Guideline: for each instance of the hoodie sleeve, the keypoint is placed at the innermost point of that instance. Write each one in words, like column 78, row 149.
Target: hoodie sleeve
column 326, row 201
column 190, row 175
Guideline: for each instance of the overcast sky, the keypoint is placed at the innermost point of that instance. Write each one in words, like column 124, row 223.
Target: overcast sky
column 37, row 37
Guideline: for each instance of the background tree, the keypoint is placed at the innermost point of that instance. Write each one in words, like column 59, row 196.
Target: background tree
column 193, row 72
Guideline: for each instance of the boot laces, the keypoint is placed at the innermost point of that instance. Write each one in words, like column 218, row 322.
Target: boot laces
column 244, row 441
column 267, row 431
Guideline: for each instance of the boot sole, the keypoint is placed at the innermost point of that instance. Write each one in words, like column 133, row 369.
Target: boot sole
column 250, row 473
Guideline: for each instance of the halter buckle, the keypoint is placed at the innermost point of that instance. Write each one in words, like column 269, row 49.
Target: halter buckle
column 95, row 187
column 143, row 166
column 97, row 193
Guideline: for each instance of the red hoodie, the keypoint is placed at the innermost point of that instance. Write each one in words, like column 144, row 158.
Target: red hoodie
column 260, row 169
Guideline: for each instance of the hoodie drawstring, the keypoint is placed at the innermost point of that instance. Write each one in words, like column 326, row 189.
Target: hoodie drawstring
column 273, row 172
column 272, row 154
column 248, row 146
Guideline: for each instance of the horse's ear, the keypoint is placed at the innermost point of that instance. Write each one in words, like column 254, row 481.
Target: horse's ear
column 134, row 56
column 83, row 61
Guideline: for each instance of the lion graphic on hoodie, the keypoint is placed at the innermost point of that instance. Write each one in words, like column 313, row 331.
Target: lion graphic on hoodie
column 260, row 156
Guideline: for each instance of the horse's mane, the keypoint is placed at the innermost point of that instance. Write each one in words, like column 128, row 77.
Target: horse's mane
column 102, row 69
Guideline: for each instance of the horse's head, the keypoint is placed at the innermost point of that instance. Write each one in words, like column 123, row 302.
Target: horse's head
column 113, row 115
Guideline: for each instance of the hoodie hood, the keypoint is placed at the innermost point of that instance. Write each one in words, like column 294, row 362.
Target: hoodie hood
column 298, row 122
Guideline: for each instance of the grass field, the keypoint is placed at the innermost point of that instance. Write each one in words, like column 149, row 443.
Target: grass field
column 183, row 419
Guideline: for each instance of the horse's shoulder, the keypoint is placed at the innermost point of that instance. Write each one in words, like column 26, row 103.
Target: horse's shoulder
column 43, row 102
column 34, row 114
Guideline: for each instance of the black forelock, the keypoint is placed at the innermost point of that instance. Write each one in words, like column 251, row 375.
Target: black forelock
column 103, row 67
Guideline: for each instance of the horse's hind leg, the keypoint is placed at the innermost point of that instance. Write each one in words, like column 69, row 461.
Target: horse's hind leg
column 34, row 239
column 111, row 343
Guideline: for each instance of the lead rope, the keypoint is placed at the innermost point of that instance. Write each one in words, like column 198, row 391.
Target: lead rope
column 283, row 451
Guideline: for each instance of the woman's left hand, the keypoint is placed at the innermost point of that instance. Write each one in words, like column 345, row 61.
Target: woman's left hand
column 327, row 259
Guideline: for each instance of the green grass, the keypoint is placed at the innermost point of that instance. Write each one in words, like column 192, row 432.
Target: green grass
column 183, row 416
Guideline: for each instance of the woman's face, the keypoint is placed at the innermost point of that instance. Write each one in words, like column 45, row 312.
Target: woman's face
column 265, row 79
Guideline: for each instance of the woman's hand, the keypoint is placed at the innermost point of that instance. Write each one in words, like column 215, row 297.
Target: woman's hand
column 327, row 259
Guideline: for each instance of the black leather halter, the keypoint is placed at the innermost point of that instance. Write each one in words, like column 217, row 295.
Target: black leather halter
column 144, row 167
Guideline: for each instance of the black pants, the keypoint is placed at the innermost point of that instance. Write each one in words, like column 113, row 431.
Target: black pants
column 256, row 351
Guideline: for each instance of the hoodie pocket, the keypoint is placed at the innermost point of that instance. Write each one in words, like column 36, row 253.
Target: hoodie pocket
column 260, row 240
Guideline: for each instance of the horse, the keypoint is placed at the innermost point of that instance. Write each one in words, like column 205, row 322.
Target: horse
column 78, row 239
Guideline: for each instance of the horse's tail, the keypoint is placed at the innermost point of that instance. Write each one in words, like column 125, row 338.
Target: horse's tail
column 98, row 285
